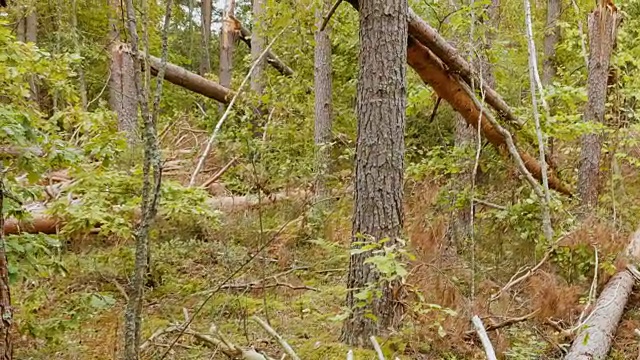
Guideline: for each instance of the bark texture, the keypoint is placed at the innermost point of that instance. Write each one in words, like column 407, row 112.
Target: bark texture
column 6, row 311
column 205, row 61
column 603, row 24
column 122, row 92
column 595, row 336
column 257, row 46
column 551, row 40
column 381, row 101
column 323, row 101
column 227, row 38
column 82, row 87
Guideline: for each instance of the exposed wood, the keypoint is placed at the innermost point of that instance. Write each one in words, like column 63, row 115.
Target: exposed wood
column 122, row 91
column 272, row 59
column 484, row 338
column 596, row 333
column 227, row 37
column 283, row 343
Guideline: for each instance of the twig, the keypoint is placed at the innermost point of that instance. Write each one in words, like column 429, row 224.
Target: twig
column 484, row 338
column 507, row 322
column 376, row 346
column 528, row 274
column 256, row 286
column 350, row 355
column 330, row 14
column 435, row 109
column 489, row 204
column 220, row 172
column 207, row 149
column 275, row 335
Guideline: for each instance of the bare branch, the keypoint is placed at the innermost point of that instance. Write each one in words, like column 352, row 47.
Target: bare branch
column 484, row 338
column 330, row 14
column 377, row 348
column 275, row 335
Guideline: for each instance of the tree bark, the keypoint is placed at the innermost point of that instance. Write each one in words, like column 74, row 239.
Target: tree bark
column 381, row 101
column 603, row 24
column 227, row 37
column 205, row 14
column 323, row 101
column 257, row 46
column 595, row 335
column 6, row 345
column 122, row 92
column 82, row 87
column 551, row 40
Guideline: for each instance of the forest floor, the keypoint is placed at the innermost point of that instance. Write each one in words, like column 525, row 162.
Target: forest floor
column 77, row 312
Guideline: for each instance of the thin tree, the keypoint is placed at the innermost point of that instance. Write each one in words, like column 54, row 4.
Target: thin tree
column 257, row 46
column 603, row 25
column 6, row 344
column 205, row 14
column 152, row 179
column 379, row 164
column 551, row 40
column 323, row 101
column 227, row 38
column 82, row 87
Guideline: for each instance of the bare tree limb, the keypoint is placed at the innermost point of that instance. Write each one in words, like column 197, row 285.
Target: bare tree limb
column 330, row 14
column 484, row 338
column 283, row 343
column 377, row 347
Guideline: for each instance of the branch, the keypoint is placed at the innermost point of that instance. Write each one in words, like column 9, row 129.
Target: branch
column 275, row 335
column 220, row 172
column 506, row 323
column 484, row 338
column 330, row 14
column 376, row 346
column 513, row 282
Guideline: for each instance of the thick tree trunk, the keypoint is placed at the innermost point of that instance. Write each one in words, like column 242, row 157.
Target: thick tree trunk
column 551, row 40
column 595, row 336
column 227, row 37
column 603, row 24
column 205, row 60
column 323, row 101
column 381, row 101
column 272, row 59
column 6, row 346
column 122, row 92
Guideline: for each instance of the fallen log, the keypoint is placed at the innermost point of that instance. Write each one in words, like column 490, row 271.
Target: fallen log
column 43, row 222
column 184, row 78
column 596, row 333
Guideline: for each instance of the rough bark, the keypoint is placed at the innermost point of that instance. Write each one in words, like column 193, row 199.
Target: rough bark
column 272, row 59
column 381, row 100
column 551, row 40
column 323, row 102
column 205, row 15
column 595, row 335
column 603, row 24
column 6, row 345
column 257, row 46
column 82, row 87
column 227, row 37
column 122, row 92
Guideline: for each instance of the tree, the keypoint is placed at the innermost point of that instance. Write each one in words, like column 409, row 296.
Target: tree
column 379, row 164
column 6, row 345
column 323, row 103
column 257, row 46
column 205, row 62
column 603, row 24
column 551, row 40
column 227, row 38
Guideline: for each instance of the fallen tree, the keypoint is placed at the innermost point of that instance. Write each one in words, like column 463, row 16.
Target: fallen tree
column 596, row 333
column 191, row 81
column 41, row 221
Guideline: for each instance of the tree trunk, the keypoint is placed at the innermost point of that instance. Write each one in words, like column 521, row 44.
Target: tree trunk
column 122, row 92
column 551, row 40
column 205, row 62
column 603, row 24
column 323, row 101
column 82, row 87
column 381, row 101
column 596, row 334
column 28, row 32
column 257, row 46
column 6, row 346
column 226, row 45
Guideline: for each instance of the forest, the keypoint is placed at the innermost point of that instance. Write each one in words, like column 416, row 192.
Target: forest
column 319, row 179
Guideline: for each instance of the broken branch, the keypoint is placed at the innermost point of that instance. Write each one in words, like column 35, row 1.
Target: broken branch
column 285, row 346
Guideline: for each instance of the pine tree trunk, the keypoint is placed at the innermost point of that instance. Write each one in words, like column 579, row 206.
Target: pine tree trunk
column 82, row 87
column 603, row 24
column 323, row 101
column 122, row 92
column 205, row 62
column 381, row 100
column 257, row 46
column 6, row 346
column 226, row 46
column 551, row 40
